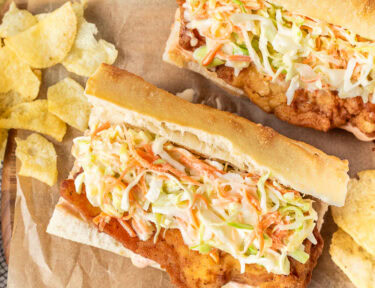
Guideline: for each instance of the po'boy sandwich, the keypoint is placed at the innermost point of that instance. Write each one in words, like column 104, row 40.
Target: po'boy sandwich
column 311, row 63
column 207, row 196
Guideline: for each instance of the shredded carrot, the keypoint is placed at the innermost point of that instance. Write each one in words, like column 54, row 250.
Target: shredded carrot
column 166, row 167
column 191, row 180
column 133, row 199
column 264, row 221
column 281, row 189
column 131, row 196
column 308, row 60
column 269, row 219
column 222, row 192
column 230, row 197
column 311, row 80
column 251, row 175
column 200, row 196
column 193, row 162
column 252, row 201
column 338, row 33
column 201, row 16
column 194, row 218
column 141, row 226
column 116, row 159
column 318, row 43
column 211, row 55
column 163, row 177
column 113, row 182
column 148, row 148
column 99, row 129
column 192, row 212
column 134, row 153
column 259, row 232
column 147, row 156
column 143, row 184
column 127, row 227
column 101, row 220
column 242, row 58
column 357, row 71
column 146, row 159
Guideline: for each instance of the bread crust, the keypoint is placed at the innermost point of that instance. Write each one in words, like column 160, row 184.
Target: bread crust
column 119, row 96
column 82, row 232
column 355, row 15
column 175, row 55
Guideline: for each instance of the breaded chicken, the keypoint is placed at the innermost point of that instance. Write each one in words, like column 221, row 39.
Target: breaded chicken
column 190, row 269
column 320, row 109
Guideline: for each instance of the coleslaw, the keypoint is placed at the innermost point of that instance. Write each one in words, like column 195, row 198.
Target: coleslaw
column 150, row 185
column 305, row 53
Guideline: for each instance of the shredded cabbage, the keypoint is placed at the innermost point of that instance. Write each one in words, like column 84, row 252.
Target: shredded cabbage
column 213, row 204
column 155, row 189
column 293, row 86
column 300, row 256
column 157, row 148
column 279, row 42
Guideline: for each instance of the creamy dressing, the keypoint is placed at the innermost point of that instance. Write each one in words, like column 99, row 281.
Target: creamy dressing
column 132, row 174
column 306, row 53
column 357, row 133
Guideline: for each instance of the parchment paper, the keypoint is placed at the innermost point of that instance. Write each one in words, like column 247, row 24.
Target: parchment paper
column 139, row 30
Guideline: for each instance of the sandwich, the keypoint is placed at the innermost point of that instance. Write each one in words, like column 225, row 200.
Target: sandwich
column 211, row 198
column 308, row 62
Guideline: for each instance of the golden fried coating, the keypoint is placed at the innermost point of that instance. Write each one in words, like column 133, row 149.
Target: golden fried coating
column 189, row 269
column 321, row 110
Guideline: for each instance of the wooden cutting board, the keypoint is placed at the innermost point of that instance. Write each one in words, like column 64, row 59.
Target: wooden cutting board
column 8, row 192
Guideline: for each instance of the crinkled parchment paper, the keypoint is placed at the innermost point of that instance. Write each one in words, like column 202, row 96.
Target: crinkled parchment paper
column 139, row 30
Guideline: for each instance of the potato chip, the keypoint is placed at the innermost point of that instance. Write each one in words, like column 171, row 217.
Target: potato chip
column 87, row 53
column 7, row 100
column 10, row 99
column 48, row 42
column 17, row 75
column 38, row 158
column 3, row 142
column 33, row 116
column 38, row 74
column 357, row 217
column 79, row 9
column 67, row 101
column 357, row 264
column 16, row 21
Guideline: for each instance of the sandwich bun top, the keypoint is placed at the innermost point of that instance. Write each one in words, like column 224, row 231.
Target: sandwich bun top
column 121, row 97
column 355, row 15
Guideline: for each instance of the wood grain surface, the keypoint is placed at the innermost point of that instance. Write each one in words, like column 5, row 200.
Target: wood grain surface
column 8, row 192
